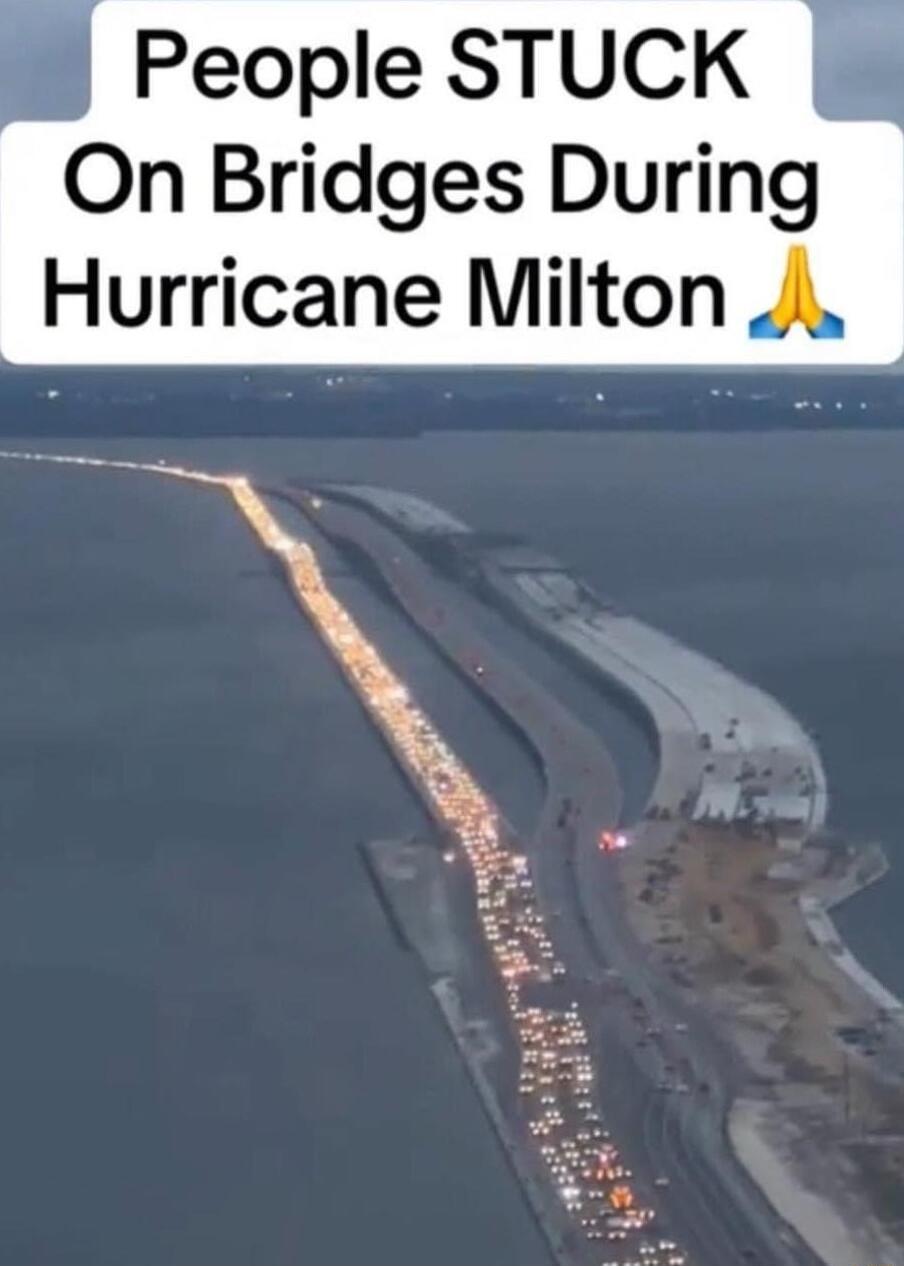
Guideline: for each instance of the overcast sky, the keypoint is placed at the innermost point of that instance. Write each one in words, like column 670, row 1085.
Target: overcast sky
column 859, row 58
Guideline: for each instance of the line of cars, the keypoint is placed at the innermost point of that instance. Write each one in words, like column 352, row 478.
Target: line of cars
column 556, row 1075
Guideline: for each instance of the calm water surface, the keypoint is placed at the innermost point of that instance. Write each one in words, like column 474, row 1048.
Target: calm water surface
column 214, row 1051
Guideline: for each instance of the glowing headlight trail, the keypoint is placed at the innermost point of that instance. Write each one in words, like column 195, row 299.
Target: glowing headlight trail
column 556, row 1072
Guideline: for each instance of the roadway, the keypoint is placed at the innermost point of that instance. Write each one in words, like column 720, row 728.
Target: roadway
column 710, row 1203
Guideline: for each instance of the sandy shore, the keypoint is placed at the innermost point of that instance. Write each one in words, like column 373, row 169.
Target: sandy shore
column 819, row 1122
column 758, row 1133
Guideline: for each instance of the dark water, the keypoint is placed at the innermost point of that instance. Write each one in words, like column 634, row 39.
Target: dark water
column 213, row 1050
column 780, row 553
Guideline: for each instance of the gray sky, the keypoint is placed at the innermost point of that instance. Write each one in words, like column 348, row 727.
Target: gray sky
column 859, row 58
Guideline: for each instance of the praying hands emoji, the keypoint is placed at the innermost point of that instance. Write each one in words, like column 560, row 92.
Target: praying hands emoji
column 797, row 302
